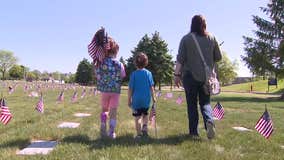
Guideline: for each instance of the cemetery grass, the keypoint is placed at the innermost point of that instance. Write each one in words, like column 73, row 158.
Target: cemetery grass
column 171, row 143
column 259, row 86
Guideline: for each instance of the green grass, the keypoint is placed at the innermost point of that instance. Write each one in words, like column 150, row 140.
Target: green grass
column 258, row 86
column 242, row 109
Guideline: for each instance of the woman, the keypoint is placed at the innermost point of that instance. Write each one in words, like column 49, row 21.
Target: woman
column 190, row 70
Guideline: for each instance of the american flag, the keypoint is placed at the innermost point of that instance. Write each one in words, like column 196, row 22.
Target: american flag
column 26, row 88
column 61, row 97
column 264, row 125
column 11, row 90
column 152, row 117
column 83, row 93
column 90, row 91
column 96, row 50
column 218, row 111
column 40, row 105
column 179, row 100
column 159, row 94
column 169, row 95
column 5, row 115
column 74, row 97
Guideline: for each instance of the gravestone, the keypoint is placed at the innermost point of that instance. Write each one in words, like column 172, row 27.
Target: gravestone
column 38, row 147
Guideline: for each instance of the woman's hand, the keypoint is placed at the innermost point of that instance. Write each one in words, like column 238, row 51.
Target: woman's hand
column 177, row 81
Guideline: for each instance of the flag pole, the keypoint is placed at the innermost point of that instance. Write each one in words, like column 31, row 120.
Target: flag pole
column 155, row 125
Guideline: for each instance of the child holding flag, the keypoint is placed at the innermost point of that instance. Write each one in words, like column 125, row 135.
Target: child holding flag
column 109, row 74
column 141, row 89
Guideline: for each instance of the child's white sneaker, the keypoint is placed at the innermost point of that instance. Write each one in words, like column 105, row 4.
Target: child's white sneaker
column 112, row 135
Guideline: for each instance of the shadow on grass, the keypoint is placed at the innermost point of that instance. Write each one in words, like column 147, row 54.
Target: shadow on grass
column 246, row 99
column 127, row 140
column 20, row 143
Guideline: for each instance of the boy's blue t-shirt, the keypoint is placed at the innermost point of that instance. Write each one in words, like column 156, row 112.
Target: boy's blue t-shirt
column 140, row 83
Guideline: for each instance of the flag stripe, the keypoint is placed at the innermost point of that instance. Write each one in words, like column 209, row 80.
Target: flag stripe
column 265, row 125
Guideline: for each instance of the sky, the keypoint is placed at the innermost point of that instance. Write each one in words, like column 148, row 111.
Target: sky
column 52, row 35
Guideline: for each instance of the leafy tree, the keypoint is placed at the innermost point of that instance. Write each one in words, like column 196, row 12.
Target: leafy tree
column 160, row 61
column 37, row 74
column 226, row 70
column 56, row 75
column 25, row 70
column 45, row 76
column 30, row 76
column 261, row 52
column 84, row 74
column 7, row 60
column 16, row 72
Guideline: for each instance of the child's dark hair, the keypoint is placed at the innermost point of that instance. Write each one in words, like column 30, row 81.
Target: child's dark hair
column 141, row 60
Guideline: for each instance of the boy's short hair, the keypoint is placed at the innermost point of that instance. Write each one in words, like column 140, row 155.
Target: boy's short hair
column 141, row 60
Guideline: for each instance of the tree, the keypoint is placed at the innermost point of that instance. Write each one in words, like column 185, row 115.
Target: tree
column 226, row 70
column 261, row 52
column 30, row 76
column 37, row 74
column 56, row 75
column 159, row 60
column 84, row 74
column 16, row 72
column 7, row 60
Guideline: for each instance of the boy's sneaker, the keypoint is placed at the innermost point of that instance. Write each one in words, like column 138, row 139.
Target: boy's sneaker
column 145, row 134
column 145, row 130
column 210, row 130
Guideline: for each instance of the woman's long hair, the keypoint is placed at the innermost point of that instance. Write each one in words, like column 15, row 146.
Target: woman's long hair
column 198, row 25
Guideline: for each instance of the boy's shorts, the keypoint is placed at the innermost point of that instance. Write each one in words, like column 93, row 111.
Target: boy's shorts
column 140, row 112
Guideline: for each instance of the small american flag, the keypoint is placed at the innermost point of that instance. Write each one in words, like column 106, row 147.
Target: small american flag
column 83, row 93
column 11, row 90
column 97, row 50
column 264, row 125
column 159, row 94
column 169, row 95
column 152, row 117
column 218, row 111
column 61, row 97
column 40, row 105
column 5, row 115
column 179, row 100
column 74, row 97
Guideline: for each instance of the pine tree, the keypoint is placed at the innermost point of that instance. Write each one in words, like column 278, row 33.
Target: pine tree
column 159, row 60
column 84, row 74
column 262, row 53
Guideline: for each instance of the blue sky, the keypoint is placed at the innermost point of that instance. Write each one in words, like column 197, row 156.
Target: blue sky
column 52, row 35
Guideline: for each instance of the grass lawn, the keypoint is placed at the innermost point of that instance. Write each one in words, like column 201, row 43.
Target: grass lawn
column 241, row 109
column 257, row 86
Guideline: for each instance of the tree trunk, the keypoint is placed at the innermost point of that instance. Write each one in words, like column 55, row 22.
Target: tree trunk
column 3, row 75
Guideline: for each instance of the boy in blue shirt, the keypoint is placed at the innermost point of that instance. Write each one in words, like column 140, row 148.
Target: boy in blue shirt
column 140, row 91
